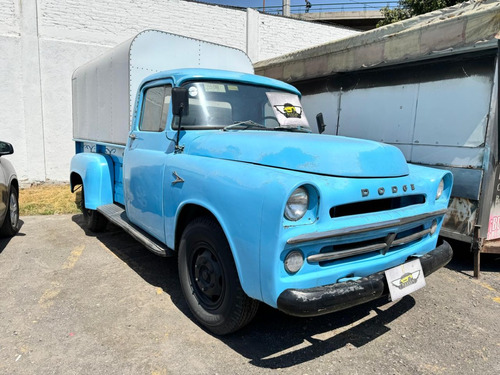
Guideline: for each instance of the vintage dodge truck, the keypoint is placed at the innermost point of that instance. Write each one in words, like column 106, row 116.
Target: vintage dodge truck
column 181, row 145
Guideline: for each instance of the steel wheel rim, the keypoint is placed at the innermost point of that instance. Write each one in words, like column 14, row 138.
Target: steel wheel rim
column 13, row 210
column 207, row 277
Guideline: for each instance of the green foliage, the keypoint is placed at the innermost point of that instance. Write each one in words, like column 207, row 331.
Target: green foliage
column 411, row 8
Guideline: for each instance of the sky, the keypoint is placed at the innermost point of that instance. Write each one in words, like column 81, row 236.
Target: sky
column 315, row 3
column 258, row 3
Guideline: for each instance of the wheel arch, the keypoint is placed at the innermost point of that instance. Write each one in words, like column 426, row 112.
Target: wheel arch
column 191, row 211
column 15, row 183
column 95, row 172
column 187, row 214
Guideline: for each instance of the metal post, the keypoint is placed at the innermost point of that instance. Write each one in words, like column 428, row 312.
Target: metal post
column 286, row 8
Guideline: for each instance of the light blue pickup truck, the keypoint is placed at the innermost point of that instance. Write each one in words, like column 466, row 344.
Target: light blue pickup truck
column 181, row 145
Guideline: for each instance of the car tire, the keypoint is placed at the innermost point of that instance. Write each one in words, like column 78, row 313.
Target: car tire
column 11, row 223
column 94, row 220
column 209, row 280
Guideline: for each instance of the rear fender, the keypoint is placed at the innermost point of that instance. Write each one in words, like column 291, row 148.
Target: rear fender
column 96, row 173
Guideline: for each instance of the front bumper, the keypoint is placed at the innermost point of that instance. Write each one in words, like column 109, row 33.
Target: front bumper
column 329, row 298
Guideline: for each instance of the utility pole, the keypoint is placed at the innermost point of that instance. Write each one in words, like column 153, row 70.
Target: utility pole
column 286, row 8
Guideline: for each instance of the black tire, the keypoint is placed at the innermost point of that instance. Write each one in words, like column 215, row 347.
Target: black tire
column 209, row 279
column 11, row 222
column 94, row 220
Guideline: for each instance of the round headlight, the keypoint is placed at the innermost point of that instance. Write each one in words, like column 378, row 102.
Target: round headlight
column 440, row 189
column 294, row 261
column 297, row 204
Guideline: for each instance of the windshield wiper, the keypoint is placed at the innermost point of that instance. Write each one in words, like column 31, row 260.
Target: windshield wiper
column 244, row 125
column 298, row 129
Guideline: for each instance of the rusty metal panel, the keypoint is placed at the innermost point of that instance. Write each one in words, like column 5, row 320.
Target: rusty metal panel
column 461, row 217
column 461, row 157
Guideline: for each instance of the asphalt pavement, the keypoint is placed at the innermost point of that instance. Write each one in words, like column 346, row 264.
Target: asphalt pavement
column 76, row 303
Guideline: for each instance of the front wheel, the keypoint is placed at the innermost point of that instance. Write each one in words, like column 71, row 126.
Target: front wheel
column 11, row 222
column 94, row 220
column 209, row 279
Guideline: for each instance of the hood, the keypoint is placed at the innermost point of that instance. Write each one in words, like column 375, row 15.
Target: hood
column 304, row 152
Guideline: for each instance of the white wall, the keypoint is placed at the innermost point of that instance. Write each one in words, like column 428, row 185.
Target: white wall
column 43, row 41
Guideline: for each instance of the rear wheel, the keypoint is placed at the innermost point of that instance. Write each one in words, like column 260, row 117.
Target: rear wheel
column 209, row 279
column 94, row 220
column 11, row 222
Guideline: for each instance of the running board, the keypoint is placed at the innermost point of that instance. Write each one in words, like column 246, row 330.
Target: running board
column 117, row 216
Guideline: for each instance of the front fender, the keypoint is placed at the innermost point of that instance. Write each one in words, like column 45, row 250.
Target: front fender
column 96, row 172
column 235, row 194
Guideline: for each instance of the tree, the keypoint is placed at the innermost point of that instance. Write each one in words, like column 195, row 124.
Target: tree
column 411, row 8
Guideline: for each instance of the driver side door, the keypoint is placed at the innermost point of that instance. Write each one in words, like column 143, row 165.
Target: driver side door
column 145, row 160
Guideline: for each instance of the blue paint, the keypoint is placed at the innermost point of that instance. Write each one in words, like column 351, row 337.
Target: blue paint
column 96, row 171
column 313, row 153
column 244, row 179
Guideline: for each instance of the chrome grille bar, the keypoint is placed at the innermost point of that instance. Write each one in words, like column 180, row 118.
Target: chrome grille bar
column 324, row 257
column 362, row 228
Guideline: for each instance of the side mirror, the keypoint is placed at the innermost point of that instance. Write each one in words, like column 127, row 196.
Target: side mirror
column 320, row 122
column 180, row 101
column 6, row 148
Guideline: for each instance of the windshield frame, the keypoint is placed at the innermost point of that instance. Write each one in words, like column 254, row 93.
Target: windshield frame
column 264, row 113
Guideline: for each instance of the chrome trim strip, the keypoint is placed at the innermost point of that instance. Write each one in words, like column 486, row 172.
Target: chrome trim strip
column 323, row 257
column 362, row 228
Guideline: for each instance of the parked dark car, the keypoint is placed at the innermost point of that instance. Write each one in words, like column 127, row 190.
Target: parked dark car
column 9, row 194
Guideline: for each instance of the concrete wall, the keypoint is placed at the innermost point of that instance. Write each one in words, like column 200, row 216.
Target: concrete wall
column 43, row 41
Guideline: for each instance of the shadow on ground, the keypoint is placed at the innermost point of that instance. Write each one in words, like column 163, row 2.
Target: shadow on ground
column 463, row 260
column 273, row 339
column 5, row 240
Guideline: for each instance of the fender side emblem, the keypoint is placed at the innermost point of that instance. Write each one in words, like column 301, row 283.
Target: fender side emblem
column 177, row 178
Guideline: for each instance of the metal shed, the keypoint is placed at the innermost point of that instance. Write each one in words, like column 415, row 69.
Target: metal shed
column 428, row 85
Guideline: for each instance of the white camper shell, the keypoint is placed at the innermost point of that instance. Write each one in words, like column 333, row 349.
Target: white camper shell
column 104, row 89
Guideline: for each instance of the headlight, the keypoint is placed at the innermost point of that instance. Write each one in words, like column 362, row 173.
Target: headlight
column 294, row 261
column 440, row 189
column 297, row 204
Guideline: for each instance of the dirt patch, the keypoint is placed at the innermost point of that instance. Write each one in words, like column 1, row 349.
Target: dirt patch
column 48, row 199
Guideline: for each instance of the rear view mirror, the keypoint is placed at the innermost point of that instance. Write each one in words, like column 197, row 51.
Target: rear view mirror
column 180, row 101
column 320, row 122
column 6, row 148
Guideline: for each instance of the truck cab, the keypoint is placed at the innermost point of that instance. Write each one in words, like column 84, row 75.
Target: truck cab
column 221, row 169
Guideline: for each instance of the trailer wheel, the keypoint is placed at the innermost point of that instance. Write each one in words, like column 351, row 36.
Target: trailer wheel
column 94, row 220
column 209, row 279
column 11, row 222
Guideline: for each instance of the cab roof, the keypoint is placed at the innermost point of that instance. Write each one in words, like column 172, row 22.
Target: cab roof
column 180, row 76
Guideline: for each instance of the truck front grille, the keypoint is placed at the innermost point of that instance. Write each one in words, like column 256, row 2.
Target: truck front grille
column 376, row 205
column 390, row 242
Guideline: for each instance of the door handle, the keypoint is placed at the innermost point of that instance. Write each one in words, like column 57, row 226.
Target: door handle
column 132, row 136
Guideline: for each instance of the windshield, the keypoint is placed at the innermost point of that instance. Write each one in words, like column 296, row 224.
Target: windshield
column 238, row 106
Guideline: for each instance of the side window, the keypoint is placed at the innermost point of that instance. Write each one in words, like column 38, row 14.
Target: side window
column 155, row 108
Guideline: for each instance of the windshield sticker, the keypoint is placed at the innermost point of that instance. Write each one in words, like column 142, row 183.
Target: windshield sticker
column 287, row 109
column 214, row 87
column 232, row 88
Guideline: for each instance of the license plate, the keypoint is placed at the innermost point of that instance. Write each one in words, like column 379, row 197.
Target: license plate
column 405, row 279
